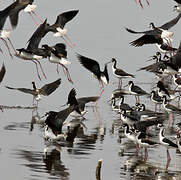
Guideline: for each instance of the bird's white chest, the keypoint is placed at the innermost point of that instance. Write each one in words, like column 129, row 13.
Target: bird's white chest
column 5, row 34
column 28, row 56
column 60, row 32
column 30, row 7
column 166, row 34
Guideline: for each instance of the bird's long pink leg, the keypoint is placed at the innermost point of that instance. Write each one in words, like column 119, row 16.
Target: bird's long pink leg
column 37, row 16
column 12, row 45
column 37, row 69
column 57, row 69
column 67, row 73
column 140, row 3
column 6, row 44
column 148, row 2
column 146, row 154
column 42, row 69
column 73, row 44
column 33, row 19
column 168, row 159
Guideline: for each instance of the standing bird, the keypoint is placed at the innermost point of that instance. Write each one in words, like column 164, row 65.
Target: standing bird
column 119, row 73
column 166, row 142
column 32, row 52
column 58, row 27
column 58, row 54
column 46, row 90
column 93, row 66
column 162, row 90
column 136, row 90
column 158, row 35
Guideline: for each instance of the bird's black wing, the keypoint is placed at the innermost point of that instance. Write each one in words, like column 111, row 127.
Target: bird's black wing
column 5, row 13
column 84, row 100
column 146, row 39
column 89, row 64
column 25, row 90
column 65, row 17
column 178, row 1
column 176, row 59
column 2, row 73
column 71, row 98
column 171, row 23
column 35, row 39
column 47, row 89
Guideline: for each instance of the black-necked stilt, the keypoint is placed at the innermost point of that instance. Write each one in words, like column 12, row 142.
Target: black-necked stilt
column 58, row 54
column 162, row 90
column 46, row 90
column 166, row 142
column 54, row 123
column 178, row 6
column 4, row 34
column 79, row 103
column 19, row 5
column 178, row 140
column 93, row 66
column 119, row 73
column 169, row 107
column 145, row 143
column 2, row 72
column 32, row 52
column 156, row 98
column 127, row 118
column 123, row 105
column 157, row 35
column 136, row 90
column 58, row 27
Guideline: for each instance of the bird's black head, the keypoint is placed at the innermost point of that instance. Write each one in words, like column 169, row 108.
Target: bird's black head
column 175, row 8
column 160, row 84
column 130, row 83
column 34, row 86
column 160, row 125
column 158, row 53
column 113, row 60
column 151, row 25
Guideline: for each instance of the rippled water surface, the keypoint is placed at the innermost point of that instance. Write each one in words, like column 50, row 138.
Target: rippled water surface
column 98, row 32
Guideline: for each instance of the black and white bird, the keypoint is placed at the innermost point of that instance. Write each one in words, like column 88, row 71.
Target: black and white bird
column 58, row 54
column 33, row 52
column 155, row 98
column 162, row 90
column 178, row 140
column 178, row 6
column 136, row 90
column 127, row 118
column 119, row 73
column 46, row 90
column 54, row 123
column 58, row 27
column 166, row 142
column 169, row 107
column 79, row 103
column 145, row 143
column 158, row 35
column 94, row 67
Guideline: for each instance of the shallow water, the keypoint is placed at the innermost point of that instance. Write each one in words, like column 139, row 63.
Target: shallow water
column 98, row 31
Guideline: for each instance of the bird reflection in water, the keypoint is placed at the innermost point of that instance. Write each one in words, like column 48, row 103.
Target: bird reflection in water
column 53, row 162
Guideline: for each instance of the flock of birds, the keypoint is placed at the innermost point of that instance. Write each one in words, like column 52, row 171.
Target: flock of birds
column 136, row 119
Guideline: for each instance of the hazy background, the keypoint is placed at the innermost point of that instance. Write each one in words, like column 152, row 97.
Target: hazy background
column 99, row 32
